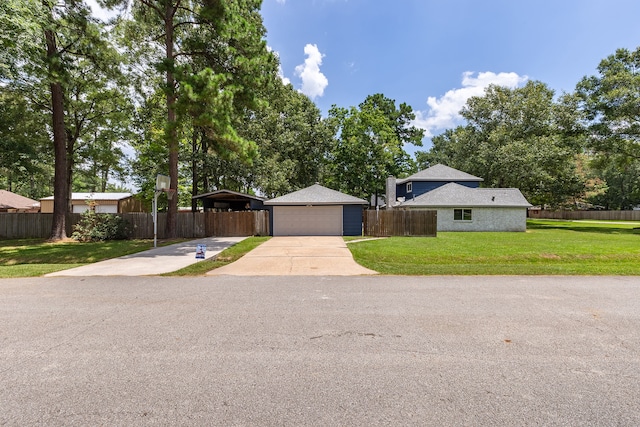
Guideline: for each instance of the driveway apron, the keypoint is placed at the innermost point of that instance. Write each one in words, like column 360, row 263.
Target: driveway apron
column 297, row 256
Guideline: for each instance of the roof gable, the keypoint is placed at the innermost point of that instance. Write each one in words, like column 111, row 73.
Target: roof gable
column 453, row 195
column 9, row 200
column 316, row 195
column 440, row 173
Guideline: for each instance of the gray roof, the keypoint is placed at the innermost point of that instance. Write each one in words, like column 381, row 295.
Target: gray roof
column 315, row 195
column 95, row 196
column 9, row 200
column 456, row 195
column 440, row 173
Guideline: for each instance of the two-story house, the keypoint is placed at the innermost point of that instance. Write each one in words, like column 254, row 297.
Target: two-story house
column 460, row 202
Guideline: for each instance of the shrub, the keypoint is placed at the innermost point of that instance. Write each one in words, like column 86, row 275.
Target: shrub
column 99, row 227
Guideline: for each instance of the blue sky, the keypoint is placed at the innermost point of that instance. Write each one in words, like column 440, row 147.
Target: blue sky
column 434, row 54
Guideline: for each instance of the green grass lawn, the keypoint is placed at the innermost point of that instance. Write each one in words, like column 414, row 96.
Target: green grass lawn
column 548, row 247
column 35, row 257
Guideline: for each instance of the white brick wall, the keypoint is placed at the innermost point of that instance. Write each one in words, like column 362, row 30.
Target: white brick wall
column 485, row 219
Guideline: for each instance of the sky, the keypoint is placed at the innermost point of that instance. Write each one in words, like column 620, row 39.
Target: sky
column 434, row 54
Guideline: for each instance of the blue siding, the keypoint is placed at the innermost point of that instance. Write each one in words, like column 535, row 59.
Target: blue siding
column 270, row 209
column 421, row 187
column 351, row 220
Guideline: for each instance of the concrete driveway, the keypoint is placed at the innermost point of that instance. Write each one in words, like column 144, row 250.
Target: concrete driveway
column 164, row 259
column 297, row 256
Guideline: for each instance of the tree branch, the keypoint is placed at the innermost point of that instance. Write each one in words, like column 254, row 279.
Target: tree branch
column 153, row 6
column 185, row 23
column 192, row 53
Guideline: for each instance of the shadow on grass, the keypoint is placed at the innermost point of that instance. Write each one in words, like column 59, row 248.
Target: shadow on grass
column 68, row 252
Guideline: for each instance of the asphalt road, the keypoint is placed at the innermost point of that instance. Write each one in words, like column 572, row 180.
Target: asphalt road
column 325, row 351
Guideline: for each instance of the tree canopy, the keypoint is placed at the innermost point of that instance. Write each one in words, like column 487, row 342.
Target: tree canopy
column 611, row 103
column 190, row 88
column 210, row 61
column 369, row 145
column 518, row 138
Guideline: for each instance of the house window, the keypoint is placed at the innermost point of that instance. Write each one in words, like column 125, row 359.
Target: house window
column 462, row 215
column 409, row 187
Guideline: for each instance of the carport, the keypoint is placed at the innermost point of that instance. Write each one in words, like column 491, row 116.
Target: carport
column 316, row 211
column 227, row 200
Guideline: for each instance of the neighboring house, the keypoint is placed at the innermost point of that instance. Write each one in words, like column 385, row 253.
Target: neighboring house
column 12, row 202
column 103, row 202
column 227, row 200
column 316, row 211
column 459, row 201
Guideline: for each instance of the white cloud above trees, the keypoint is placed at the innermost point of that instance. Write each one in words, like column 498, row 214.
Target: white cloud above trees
column 313, row 81
column 284, row 79
column 444, row 112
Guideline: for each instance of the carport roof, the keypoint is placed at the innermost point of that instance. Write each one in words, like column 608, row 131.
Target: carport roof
column 315, row 195
column 227, row 195
column 456, row 195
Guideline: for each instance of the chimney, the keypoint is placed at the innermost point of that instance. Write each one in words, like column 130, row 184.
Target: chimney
column 391, row 192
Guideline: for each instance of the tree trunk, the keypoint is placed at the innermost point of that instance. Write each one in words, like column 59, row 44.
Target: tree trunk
column 172, row 134
column 60, row 189
column 194, row 170
column 104, row 179
column 205, row 168
column 70, row 145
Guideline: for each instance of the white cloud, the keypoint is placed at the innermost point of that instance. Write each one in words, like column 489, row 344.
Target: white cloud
column 281, row 1
column 444, row 112
column 284, row 79
column 313, row 81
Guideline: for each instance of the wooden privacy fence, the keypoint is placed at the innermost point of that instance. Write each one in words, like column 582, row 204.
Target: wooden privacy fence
column 254, row 223
column 27, row 225
column 190, row 224
column 592, row 215
column 400, row 222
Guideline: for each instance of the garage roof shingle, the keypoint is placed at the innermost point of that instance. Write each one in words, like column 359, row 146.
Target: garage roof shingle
column 315, row 195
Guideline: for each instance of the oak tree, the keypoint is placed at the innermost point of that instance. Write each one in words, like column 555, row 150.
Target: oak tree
column 369, row 145
column 611, row 103
column 519, row 138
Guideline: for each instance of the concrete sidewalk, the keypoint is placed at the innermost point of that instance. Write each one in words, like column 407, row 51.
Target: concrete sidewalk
column 155, row 261
column 297, row 256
